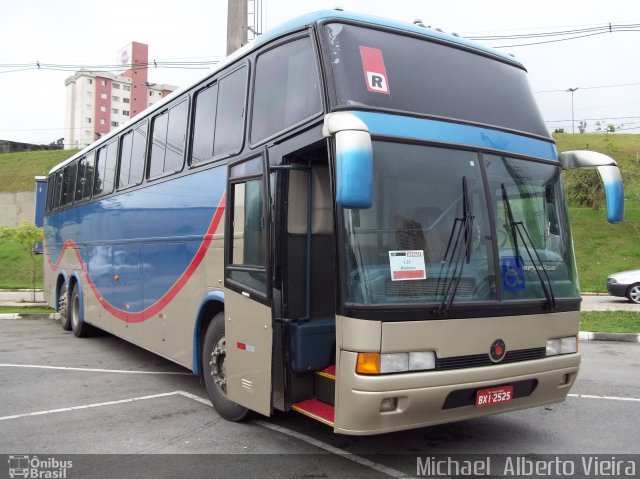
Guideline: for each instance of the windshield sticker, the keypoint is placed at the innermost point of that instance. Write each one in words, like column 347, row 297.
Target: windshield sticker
column 407, row 265
column 374, row 71
column 512, row 273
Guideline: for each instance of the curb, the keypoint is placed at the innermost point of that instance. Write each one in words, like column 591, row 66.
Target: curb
column 54, row 316
column 620, row 337
column 586, row 336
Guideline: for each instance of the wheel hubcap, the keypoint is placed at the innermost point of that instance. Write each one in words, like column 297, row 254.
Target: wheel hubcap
column 217, row 365
column 635, row 294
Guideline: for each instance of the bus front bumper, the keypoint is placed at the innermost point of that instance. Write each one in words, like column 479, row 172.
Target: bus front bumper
column 436, row 397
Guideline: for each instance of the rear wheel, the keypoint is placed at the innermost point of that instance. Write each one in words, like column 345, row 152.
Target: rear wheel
column 214, row 371
column 63, row 307
column 80, row 328
column 633, row 293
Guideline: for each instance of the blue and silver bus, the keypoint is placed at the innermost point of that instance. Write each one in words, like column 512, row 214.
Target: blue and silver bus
column 358, row 219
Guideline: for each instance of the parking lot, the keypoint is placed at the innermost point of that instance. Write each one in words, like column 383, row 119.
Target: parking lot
column 102, row 395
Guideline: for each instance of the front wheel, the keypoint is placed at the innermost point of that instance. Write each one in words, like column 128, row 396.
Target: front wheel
column 633, row 293
column 214, row 371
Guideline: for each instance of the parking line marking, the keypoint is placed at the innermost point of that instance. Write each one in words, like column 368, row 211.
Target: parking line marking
column 389, row 471
column 93, row 370
column 88, row 406
column 610, row 398
column 312, row 441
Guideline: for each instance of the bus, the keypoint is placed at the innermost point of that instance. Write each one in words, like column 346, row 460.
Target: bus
column 354, row 218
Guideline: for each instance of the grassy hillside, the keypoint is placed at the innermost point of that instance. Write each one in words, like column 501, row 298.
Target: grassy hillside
column 18, row 169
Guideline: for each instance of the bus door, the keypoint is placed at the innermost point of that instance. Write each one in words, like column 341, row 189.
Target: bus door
column 248, row 317
column 304, row 272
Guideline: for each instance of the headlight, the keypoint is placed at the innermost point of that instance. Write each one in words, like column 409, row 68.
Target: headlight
column 386, row 363
column 565, row 345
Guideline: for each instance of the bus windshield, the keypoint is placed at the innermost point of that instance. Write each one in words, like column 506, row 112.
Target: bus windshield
column 378, row 69
column 428, row 238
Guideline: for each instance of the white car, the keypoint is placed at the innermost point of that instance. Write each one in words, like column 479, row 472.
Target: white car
column 625, row 283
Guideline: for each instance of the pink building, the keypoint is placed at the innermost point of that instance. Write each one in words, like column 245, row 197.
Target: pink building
column 98, row 102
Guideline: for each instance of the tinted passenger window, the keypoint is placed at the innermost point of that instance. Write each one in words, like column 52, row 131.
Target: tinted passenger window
column 287, row 89
column 169, row 134
column 230, row 113
column 84, row 183
column 204, row 125
column 51, row 187
column 132, row 150
column 68, row 184
column 105, row 169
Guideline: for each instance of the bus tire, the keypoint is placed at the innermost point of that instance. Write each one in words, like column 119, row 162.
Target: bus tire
column 80, row 328
column 63, row 307
column 214, row 372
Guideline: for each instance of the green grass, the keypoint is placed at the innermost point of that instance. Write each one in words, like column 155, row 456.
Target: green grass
column 18, row 169
column 15, row 267
column 610, row 321
column 26, row 310
column 602, row 248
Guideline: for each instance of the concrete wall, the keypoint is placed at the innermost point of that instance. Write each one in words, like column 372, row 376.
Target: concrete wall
column 17, row 207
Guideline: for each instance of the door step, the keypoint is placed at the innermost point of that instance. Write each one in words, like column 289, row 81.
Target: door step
column 321, row 407
column 315, row 409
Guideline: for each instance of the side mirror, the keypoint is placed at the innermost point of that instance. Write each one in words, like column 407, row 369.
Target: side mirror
column 610, row 174
column 354, row 159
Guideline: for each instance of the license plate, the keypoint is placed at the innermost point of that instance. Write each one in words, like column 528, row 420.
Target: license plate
column 488, row 397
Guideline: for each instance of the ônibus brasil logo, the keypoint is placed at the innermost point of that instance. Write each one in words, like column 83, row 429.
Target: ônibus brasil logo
column 37, row 468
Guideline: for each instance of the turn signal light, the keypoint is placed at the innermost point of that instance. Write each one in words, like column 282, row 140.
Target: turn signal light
column 368, row 363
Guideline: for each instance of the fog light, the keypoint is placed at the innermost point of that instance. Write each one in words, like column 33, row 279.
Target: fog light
column 389, row 404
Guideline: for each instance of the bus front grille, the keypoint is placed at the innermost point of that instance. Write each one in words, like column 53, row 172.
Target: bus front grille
column 479, row 360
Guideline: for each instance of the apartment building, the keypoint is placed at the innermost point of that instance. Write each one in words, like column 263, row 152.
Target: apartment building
column 99, row 101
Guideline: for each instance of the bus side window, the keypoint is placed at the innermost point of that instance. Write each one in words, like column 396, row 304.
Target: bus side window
column 247, row 256
column 68, row 184
column 105, row 169
column 84, row 183
column 204, row 124
column 169, row 133
column 287, row 89
column 132, row 149
column 230, row 113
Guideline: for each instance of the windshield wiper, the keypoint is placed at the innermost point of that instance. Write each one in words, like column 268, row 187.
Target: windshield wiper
column 518, row 229
column 458, row 247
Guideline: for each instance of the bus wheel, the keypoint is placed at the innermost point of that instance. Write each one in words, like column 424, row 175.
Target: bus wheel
column 63, row 308
column 214, row 353
column 80, row 328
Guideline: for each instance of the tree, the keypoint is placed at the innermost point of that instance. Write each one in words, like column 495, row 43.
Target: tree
column 582, row 126
column 559, row 130
column 28, row 236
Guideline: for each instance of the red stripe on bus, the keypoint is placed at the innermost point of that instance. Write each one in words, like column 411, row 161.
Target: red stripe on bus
column 156, row 307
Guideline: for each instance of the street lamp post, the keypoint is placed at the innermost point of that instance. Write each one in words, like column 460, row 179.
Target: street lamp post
column 572, row 90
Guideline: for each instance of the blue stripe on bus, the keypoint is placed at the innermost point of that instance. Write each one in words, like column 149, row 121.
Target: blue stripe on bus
column 456, row 133
column 135, row 246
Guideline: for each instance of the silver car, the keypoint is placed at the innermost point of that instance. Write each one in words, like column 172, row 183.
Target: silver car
column 625, row 283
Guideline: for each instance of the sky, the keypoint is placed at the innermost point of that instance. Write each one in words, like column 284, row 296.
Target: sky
column 604, row 67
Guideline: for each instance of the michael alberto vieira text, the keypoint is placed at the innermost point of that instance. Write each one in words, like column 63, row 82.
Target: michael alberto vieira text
column 524, row 466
